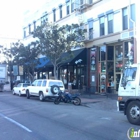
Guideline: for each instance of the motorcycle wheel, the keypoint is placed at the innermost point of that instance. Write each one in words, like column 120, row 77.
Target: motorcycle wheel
column 57, row 100
column 76, row 101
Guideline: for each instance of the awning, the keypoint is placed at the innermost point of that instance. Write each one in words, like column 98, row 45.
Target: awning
column 76, row 57
column 43, row 62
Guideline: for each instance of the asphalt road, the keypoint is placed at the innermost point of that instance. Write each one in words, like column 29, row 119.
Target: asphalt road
column 30, row 119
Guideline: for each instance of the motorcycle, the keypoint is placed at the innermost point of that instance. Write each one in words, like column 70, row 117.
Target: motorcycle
column 66, row 97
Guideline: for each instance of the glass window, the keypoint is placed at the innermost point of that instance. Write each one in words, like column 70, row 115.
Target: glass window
column 103, row 53
column 54, row 15
column 110, row 52
column 34, row 83
column 129, row 74
column 39, row 83
column 25, row 85
column 93, row 59
column 102, row 29
column 125, row 18
column 103, row 67
column 119, row 53
column 132, row 16
column 91, row 33
column 51, row 83
column 103, row 83
column 29, row 28
column 72, row 5
column 110, row 23
column 119, row 58
column 44, row 83
column 68, row 9
column 19, row 85
column 34, row 25
column 60, row 8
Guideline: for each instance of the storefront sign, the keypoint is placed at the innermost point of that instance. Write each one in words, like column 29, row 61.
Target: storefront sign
column 78, row 61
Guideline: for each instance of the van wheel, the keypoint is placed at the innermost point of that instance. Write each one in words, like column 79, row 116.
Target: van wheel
column 55, row 89
column 41, row 96
column 133, row 112
column 27, row 94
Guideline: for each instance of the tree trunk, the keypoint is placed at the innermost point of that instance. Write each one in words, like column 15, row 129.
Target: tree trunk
column 55, row 72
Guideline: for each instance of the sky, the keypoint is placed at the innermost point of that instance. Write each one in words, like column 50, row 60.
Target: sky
column 11, row 16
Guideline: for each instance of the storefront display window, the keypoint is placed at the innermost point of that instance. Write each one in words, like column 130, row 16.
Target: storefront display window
column 103, row 67
column 119, row 58
column 93, row 59
column 129, row 53
column 103, row 53
column 103, row 83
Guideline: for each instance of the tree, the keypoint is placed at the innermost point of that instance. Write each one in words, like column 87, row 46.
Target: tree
column 25, row 56
column 55, row 40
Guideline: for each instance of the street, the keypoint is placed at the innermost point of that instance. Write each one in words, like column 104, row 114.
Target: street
column 30, row 119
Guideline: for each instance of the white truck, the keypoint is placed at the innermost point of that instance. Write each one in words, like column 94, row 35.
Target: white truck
column 3, row 75
column 129, row 93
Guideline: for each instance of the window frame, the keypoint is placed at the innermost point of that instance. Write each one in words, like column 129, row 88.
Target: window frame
column 110, row 23
column 125, row 18
column 102, row 25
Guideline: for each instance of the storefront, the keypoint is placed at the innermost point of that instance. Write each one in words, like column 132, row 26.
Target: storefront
column 74, row 70
column 106, row 64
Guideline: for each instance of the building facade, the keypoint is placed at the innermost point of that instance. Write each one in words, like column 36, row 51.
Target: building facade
column 111, row 40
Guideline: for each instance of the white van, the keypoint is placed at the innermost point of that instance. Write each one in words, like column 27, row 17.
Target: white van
column 43, row 88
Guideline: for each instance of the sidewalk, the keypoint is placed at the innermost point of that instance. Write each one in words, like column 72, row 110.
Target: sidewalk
column 93, row 98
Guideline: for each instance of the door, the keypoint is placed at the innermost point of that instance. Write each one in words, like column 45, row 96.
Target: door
column 127, row 87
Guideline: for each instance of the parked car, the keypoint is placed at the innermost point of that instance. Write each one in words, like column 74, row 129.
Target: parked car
column 42, row 88
column 20, row 89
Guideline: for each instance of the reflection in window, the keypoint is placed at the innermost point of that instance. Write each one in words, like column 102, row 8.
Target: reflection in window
column 119, row 65
column 119, row 53
column 93, row 59
column 129, row 74
column 103, row 53
column 128, row 53
column 103, row 67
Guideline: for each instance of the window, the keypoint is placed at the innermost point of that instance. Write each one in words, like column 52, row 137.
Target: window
column 129, row 74
column 67, row 8
column 24, row 32
column 29, row 28
column 90, row 24
column 34, row 83
column 54, row 15
column 44, row 83
column 110, row 23
column 44, row 18
column 125, row 18
column 90, row 1
column 72, row 5
column 34, row 25
column 93, row 59
column 132, row 15
column 102, row 28
column 26, row 85
column 60, row 8
column 39, row 83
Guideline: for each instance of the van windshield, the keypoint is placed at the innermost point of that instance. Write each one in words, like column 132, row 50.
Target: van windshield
column 129, row 74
